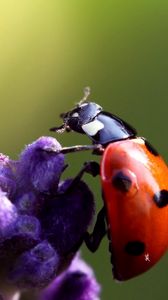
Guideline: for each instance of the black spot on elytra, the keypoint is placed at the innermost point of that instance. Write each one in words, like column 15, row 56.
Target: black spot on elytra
column 151, row 149
column 135, row 248
column 161, row 198
column 121, row 182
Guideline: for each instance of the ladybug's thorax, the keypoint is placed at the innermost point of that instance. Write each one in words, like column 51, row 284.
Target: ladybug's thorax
column 107, row 128
column 100, row 126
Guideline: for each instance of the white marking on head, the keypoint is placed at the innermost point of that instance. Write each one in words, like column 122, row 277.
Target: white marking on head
column 93, row 127
column 75, row 115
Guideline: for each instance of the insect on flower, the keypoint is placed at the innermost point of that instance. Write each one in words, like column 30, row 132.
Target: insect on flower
column 134, row 188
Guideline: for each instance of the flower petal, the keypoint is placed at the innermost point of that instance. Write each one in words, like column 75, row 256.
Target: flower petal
column 77, row 283
column 35, row 268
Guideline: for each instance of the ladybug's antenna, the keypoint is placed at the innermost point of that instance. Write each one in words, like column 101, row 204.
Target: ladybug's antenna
column 60, row 129
column 87, row 91
column 65, row 116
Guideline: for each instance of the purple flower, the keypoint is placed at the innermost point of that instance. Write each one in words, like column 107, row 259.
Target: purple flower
column 39, row 167
column 66, row 217
column 76, row 283
column 8, row 215
column 28, row 203
column 36, row 267
column 7, row 177
column 42, row 224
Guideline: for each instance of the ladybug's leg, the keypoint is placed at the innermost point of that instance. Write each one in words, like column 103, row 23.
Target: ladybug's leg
column 91, row 167
column 97, row 149
column 93, row 240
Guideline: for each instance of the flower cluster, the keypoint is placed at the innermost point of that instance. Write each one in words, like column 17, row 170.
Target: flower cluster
column 42, row 224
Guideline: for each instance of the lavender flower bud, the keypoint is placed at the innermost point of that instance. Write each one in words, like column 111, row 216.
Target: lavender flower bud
column 8, row 214
column 7, row 179
column 27, row 225
column 66, row 217
column 35, row 268
column 21, row 235
column 28, row 203
column 40, row 167
column 76, row 283
column 42, row 221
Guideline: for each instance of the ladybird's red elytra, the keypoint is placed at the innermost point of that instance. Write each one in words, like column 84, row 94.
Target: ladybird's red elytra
column 134, row 180
column 137, row 221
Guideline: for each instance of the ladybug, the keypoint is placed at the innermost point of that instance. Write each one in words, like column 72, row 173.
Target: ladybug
column 134, row 188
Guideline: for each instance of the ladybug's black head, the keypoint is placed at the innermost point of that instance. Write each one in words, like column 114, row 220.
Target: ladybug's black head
column 84, row 113
column 90, row 119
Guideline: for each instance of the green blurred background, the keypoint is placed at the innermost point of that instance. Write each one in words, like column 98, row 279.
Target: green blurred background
column 49, row 51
